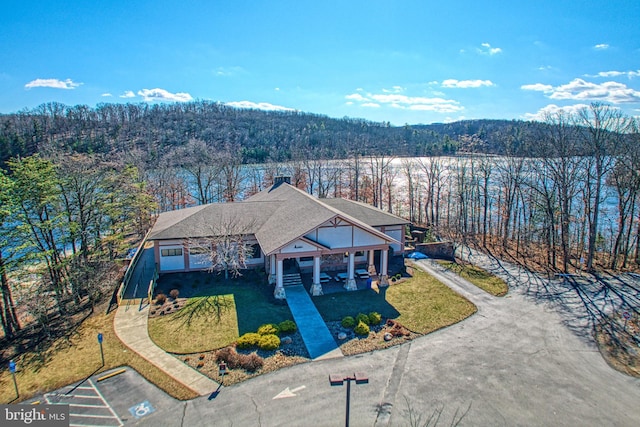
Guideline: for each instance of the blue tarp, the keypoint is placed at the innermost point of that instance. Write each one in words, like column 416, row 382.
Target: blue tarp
column 417, row 255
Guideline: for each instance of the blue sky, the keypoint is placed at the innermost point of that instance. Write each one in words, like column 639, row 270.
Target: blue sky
column 400, row 61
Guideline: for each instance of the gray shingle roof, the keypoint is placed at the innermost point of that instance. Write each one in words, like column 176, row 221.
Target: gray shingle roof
column 366, row 213
column 276, row 216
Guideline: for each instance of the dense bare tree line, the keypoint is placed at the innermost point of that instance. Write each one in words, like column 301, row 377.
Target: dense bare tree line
column 549, row 203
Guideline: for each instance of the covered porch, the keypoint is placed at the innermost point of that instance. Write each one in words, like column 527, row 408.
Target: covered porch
column 350, row 270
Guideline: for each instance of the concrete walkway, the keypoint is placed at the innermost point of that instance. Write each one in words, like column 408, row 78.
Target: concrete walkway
column 130, row 325
column 315, row 334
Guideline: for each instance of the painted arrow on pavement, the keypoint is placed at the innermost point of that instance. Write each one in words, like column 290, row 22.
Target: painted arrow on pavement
column 287, row 392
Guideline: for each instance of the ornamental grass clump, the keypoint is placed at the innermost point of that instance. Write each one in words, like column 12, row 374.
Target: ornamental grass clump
column 234, row 360
column 161, row 299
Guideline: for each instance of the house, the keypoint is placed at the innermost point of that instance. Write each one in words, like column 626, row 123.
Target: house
column 287, row 228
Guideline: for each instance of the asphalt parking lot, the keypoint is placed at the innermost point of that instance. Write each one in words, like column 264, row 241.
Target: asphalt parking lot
column 124, row 399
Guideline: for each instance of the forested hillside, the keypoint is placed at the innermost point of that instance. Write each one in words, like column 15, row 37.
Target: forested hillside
column 256, row 136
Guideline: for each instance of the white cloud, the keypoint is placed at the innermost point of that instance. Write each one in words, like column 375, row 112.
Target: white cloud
column 150, row 95
column 229, row 71
column 394, row 89
column 552, row 109
column 400, row 101
column 614, row 92
column 601, row 46
column 538, row 87
column 128, row 94
column 356, row 97
column 106, row 95
column 465, row 84
column 630, row 74
column 581, row 90
column 258, row 106
column 52, row 83
column 486, row 49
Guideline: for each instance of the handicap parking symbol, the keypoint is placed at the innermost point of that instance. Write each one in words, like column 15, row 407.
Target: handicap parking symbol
column 141, row 409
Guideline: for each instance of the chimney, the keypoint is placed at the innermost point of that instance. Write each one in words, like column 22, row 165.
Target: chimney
column 280, row 179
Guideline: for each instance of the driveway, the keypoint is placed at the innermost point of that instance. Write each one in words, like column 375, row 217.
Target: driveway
column 520, row 360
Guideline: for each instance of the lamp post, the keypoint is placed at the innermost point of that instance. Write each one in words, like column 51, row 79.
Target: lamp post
column 12, row 369
column 100, row 338
column 338, row 380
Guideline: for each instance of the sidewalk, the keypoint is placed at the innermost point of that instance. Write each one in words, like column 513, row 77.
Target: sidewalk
column 131, row 327
column 315, row 334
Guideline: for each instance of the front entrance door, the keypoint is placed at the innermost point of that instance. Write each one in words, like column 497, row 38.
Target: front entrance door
column 290, row 266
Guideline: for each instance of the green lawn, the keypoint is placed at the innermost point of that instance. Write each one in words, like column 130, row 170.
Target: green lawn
column 219, row 312
column 479, row 277
column 76, row 357
column 420, row 303
column 217, row 316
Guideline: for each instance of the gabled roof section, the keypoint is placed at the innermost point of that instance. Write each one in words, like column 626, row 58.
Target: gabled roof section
column 297, row 214
column 210, row 220
column 276, row 216
column 368, row 214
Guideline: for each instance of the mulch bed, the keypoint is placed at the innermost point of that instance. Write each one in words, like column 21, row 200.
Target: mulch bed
column 295, row 352
column 170, row 306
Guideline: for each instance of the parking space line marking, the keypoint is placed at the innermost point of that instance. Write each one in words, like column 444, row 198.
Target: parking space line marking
column 91, row 416
column 82, row 405
column 93, row 425
column 107, row 403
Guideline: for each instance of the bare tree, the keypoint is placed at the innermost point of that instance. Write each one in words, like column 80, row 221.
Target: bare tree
column 379, row 168
column 225, row 246
column 197, row 160
column 602, row 126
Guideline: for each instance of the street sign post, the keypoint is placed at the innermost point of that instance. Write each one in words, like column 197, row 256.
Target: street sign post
column 12, row 369
column 100, row 338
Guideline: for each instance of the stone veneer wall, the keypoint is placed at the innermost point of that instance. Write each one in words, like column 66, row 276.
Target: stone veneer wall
column 438, row 250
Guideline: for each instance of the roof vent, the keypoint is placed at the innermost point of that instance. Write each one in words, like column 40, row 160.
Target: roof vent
column 280, row 179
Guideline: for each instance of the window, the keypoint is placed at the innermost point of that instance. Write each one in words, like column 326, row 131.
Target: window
column 306, row 258
column 255, row 252
column 198, row 250
column 171, row 252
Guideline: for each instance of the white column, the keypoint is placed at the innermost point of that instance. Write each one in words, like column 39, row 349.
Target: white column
column 384, row 260
column 372, row 266
column 279, row 290
column 350, row 284
column 272, row 269
column 316, row 287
